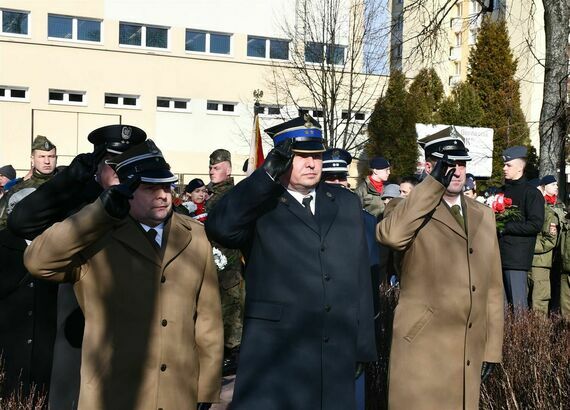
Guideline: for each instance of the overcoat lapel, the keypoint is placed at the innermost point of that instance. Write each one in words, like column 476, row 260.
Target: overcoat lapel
column 443, row 214
column 299, row 211
column 326, row 209
column 132, row 236
column 473, row 220
column 177, row 237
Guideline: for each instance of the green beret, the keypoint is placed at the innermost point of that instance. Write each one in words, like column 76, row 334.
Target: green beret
column 220, row 155
column 41, row 143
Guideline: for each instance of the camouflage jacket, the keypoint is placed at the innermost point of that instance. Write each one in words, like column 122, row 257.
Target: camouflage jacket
column 370, row 198
column 231, row 274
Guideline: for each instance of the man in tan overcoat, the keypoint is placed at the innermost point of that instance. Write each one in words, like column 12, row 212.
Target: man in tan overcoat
column 146, row 282
column 448, row 325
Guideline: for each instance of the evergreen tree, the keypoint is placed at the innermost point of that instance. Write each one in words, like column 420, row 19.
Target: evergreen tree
column 462, row 107
column 392, row 128
column 492, row 74
column 426, row 92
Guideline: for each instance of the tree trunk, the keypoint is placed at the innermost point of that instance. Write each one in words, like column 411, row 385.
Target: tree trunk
column 553, row 125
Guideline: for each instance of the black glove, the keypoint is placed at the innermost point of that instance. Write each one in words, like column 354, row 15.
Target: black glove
column 203, row 406
column 443, row 171
column 486, row 369
column 279, row 159
column 116, row 198
column 84, row 166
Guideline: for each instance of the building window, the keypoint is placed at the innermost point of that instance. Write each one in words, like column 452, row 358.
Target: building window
column 458, row 39
column 172, row 104
column 8, row 93
column 205, row 42
column 220, row 107
column 317, row 52
column 138, row 35
column 121, row 101
column 74, row 28
column 472, row 37
column 261, row 47
column 269, row 109
column 14, row 22
column 356, row 116
column 315, row 113
column 457, row 68
column 67, row 97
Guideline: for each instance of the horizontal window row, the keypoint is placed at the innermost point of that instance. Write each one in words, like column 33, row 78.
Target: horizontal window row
column 14, row 22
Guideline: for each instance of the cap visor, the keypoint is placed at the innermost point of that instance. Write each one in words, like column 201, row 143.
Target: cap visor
column 308, row 146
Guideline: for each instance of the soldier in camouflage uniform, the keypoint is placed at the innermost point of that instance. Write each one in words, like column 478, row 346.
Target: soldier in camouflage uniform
column 232, row 286
column 44, row 162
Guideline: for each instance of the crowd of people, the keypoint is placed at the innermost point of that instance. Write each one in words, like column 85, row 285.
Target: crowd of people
column 119, row 292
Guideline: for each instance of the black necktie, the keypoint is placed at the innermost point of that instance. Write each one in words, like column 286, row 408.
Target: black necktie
column 307, row 204
column 151, row 234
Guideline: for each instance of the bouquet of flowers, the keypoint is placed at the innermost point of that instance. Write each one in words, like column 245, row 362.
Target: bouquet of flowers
column 219, row 259
column 504, row 210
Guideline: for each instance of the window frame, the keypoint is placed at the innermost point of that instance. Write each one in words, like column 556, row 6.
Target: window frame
column 66, row 94
column 143, row 44
column 325, row 54
column 268, row 42
column 75, row 29
column 220, row 110
column 207, row 43
column 265, row 110
column 121, row 99
column 171, row 104
column 10, row 88
column 344, row 116
column 19, row 35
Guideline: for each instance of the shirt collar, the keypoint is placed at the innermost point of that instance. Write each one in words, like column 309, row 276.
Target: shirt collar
column 159, row 230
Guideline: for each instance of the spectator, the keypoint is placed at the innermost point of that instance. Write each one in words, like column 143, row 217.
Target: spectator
column 370, row 190
column 470, row 187
column 230, row 277
column 390, row 191
column 517, row 239
column 407, row 184
column 7, row 173
column 195, row 195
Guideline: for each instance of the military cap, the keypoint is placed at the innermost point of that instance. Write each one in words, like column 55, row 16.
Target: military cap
column 336, row 161
column 378, row 163
column 194, row 184
column 535, row 182
column 8, row 171
column 514, row 152
column 305, row 132
column 41, row 143
column 145, row 161
column 220, row 155
column 447, row 141
column 548, row 179
column 469, row 183
column 116, row 138
column 391, row 191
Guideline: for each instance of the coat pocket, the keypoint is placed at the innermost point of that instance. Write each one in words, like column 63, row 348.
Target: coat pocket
column 264, row 310
column 419, row 325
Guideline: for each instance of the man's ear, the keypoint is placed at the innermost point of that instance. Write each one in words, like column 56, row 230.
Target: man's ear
column 428, row 167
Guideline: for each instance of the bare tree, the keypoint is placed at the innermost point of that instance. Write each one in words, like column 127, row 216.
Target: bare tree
column 339, row 47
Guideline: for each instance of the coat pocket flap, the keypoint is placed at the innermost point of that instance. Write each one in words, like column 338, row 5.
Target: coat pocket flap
column 264, row 310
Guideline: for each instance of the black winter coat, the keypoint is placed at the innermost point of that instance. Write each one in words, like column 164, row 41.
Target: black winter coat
column 27, row 320
column 308, row 309
column 518, row 238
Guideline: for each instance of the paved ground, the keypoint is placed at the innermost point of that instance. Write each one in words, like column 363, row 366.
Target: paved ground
column 227, row 393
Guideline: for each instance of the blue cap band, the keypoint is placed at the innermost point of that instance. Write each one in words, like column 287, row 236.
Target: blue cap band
column 315, row 133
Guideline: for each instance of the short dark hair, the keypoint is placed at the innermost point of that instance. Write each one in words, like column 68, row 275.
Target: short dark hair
column 410, row 179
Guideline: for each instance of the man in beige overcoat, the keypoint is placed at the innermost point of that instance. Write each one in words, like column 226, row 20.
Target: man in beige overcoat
column 146, row 282
column 448, row 325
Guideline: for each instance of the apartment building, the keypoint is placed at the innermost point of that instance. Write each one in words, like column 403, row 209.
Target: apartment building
column 184, row 72
column 449, row 49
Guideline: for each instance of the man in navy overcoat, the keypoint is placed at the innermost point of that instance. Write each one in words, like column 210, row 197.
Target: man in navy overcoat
column 308, row 311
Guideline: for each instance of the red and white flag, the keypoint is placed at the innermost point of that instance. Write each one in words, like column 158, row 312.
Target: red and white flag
column 256, row 157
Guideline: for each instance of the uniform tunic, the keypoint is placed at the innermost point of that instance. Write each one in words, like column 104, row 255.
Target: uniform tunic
column 308, row 315
column 153, row 331
column 449, row 317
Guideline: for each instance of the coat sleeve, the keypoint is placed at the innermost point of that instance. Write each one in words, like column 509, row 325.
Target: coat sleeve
column 209, row 334
column 398, row 229
column 55, row 254
column 545, row 242
column 52, row 202
column 495, row 304
column 232, row 221
column 534, row 216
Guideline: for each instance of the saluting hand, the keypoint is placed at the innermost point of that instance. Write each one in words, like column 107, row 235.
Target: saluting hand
column 443, row 171
column 279, row 159
column 116, row 198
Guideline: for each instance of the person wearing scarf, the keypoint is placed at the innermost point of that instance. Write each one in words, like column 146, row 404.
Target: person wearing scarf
column 370, row 190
